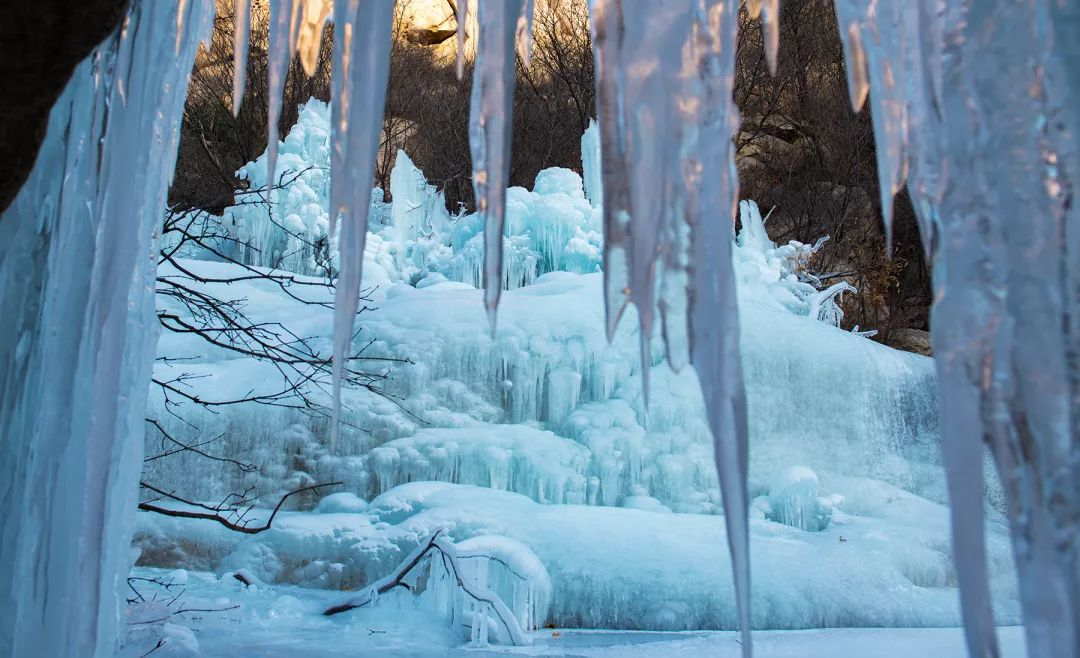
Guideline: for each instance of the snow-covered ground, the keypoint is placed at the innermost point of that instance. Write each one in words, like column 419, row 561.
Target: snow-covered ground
column 886, row 563
column 283, row 621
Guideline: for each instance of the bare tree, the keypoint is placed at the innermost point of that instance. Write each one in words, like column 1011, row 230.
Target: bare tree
column 192, row 308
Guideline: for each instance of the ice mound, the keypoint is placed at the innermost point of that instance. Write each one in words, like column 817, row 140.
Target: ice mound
column 341, row 503
column 794, row 501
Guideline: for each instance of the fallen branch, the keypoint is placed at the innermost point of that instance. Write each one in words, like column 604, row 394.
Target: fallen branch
column 448, row 554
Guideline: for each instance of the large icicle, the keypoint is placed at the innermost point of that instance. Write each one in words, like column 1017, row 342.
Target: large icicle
column 770, row 27
column 607, row 38
column 241, row 40
column 360, row 94
column 524, row 34
column 489, row 133
column 77, row 337
column 462, row 18
column 279, row 54
column 309, row 32
column 714, row 325
column 665, row 73
column 640, row 79
column 876, row 42
column 997, row 147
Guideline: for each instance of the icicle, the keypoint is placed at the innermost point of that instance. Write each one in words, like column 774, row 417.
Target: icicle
column 714, row 326
column 607, row 38
column 357, row 123
column 670, row 193
column 770, row 26
column 489, row 133
column 278, row 56
column 462, row 22
column 523, row 37
column 241, row 40
column 309, row 36
column 1005, row 313
column 181, row 15
column 877, row 57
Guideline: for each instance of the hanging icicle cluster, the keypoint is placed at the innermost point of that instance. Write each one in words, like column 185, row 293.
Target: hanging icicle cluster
column 975, row 107
column 999, row 147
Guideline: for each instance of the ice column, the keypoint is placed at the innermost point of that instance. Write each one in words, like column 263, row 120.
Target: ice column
column 979, row 100
column 76, row 343
column 489, row 133
column 664, row 78
column 361, row 66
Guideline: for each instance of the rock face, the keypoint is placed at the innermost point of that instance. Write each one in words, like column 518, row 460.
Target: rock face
column 911, row 340
column 433, row 23
column 40, row 44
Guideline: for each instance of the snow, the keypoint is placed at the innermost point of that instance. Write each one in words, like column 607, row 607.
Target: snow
column 283, row 621
column 883, row 560
column 340, row 503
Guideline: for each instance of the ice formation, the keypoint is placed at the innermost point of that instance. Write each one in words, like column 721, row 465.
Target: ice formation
column 548, row 408
column 953, row 87
column 77, row 337
column 1006, row 310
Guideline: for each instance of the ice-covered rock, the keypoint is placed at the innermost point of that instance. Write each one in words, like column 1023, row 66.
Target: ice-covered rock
column 794, row 501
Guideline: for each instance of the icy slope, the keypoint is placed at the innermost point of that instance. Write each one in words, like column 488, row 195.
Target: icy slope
column 820, row 397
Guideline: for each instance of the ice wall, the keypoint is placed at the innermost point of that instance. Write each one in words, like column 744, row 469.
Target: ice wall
column 77, row 337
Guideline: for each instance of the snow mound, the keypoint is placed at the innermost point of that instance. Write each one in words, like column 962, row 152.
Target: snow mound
column 341, row 503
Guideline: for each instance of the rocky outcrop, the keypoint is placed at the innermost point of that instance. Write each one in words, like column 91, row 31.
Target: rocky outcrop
column 911, row 340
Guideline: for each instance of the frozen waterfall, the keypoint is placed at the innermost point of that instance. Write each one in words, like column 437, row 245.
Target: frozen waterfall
column 975, row 108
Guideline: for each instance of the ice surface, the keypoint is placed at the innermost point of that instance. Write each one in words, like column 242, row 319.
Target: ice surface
column 77, row 337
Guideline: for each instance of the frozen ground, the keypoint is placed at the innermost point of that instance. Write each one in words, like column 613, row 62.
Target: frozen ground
column 283, row 621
